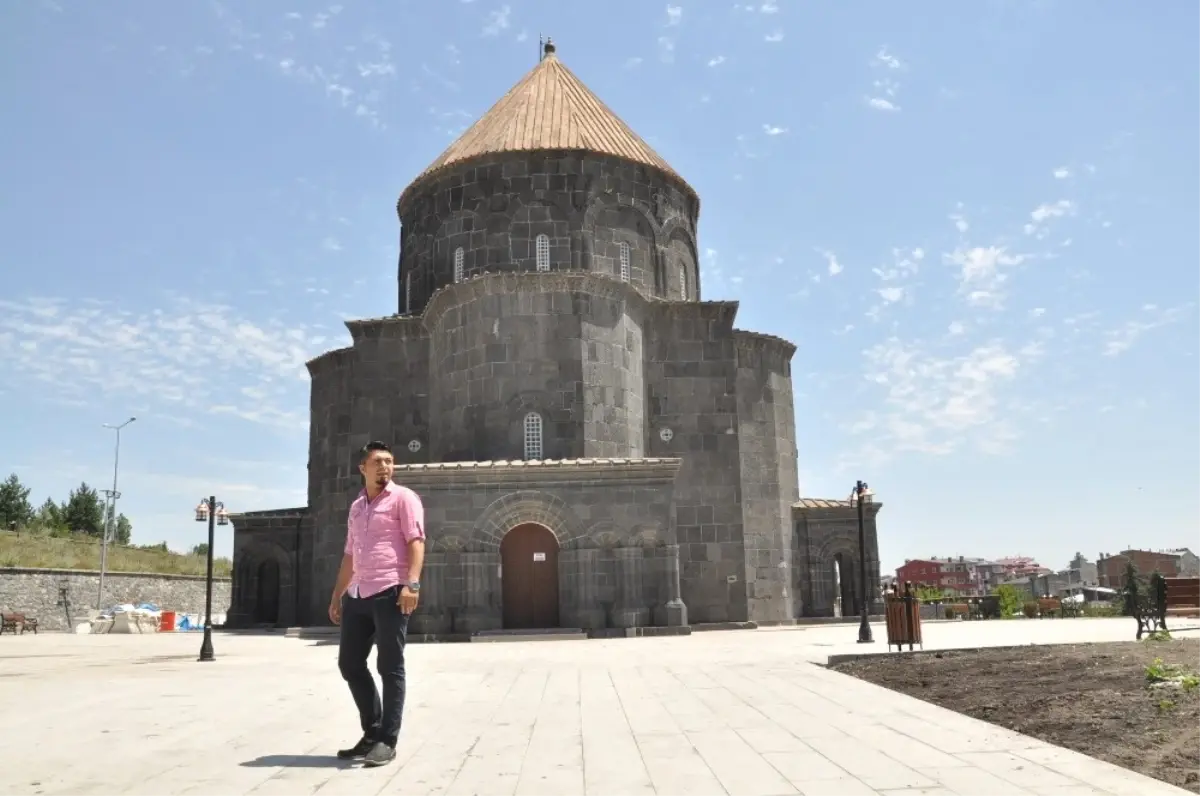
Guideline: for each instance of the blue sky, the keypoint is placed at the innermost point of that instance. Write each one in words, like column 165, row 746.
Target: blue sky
column 979, row 225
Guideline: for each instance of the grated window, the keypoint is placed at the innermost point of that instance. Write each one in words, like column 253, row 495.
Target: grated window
column 458, row 264
column 542, row 247
column 533, row 437
column 624, row 249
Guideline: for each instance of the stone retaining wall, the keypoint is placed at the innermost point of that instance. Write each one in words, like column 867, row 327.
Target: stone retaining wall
column 37, row 592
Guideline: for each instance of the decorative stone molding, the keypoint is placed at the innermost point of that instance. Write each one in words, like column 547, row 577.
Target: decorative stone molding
column 529, row 506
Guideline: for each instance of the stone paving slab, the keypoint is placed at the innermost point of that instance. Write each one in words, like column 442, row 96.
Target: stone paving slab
column 738, row 712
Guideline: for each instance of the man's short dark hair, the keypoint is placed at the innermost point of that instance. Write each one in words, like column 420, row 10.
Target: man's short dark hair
column 370, row 448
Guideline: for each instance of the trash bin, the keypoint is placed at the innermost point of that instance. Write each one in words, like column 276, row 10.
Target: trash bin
column 166, row 622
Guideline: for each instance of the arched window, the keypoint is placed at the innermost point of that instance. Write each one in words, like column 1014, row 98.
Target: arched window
column 533, row 437
column 458, row 264
column 542, row 248
column 683, row 285
column 623, row 247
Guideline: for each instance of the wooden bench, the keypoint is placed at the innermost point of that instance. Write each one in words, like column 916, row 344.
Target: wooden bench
column 1183, row 597
column 1048, row 605
column 11, row 623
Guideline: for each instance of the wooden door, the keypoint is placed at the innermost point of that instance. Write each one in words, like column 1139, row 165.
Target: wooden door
column 529, row 577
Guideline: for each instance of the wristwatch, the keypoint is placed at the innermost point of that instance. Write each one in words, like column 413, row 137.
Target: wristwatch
column 414, row 586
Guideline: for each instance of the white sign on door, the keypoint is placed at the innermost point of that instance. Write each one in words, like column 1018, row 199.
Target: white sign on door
column 539, row 556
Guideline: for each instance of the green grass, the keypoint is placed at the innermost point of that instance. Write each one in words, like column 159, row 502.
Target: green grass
column 49, row 552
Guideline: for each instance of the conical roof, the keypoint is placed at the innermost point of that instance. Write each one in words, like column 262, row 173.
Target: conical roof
column 549, row 109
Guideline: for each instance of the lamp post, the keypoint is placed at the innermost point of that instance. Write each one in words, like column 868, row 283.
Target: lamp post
column 209, row 509
column 861, row 494
column 111, row 520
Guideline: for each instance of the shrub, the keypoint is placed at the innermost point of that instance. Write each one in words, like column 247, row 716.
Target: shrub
column 1100, row 609
column 1030, row 609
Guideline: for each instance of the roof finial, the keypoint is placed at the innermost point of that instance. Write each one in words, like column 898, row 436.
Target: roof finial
column 548, row 48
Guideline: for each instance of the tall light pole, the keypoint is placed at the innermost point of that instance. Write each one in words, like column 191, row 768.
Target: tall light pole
column 111, row 520
column 209, row 509
column 860, row 495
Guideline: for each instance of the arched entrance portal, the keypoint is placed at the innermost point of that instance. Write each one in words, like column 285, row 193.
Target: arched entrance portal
column 529, row 577
column 266, row 607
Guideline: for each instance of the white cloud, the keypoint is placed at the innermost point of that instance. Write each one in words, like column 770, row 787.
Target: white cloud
column 201, row 357
column 674, row 15
column 666, row 49
column 720, row 59
column 834, row 267
column 497, row 21
column 936, row 404
column 1043, row 213
column 891, row 294
column 956, row 328
column 981, row 276
column 331, row 245
column 881, row 104
column 774, row 37
column 885, row 59
column 1122, row 338
column 960, row 223
column 1061, row 173
column 772, row 130
column 769, row 7
column 630, row 63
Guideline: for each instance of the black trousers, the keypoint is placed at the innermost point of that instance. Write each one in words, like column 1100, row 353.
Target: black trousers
column 366, row 620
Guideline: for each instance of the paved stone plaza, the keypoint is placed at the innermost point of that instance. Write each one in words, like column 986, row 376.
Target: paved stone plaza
column 736, row 712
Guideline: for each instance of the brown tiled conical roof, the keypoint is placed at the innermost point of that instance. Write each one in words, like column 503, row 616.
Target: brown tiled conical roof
column 549, row 109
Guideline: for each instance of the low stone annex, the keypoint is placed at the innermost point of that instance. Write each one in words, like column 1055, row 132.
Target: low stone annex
column 595, row 445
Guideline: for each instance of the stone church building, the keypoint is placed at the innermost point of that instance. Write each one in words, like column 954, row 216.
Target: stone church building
column 596, row 446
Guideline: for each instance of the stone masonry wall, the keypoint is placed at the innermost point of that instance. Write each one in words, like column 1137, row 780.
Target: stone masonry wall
column 691, row 383
column 468, row 509
column 586, row 204
column 567, row 347
column 36, row 592
column 767, row 442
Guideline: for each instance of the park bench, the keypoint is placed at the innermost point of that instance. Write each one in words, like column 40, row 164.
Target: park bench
column 11, row 623
column 955, row 610
column 1183, row 597
column 1047, row 606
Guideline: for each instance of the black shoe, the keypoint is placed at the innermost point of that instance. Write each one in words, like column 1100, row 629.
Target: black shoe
column 359, row 749
column 380, row 755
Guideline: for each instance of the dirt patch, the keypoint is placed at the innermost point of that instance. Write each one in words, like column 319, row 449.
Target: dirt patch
column 1092, row 698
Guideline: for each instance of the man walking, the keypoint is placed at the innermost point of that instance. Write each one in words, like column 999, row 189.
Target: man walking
column 377, row 588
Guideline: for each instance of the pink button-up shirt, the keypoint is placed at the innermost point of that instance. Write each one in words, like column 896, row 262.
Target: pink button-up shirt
column 377, row 536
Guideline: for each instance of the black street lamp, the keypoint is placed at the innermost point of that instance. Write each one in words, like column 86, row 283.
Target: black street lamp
column 862, row 494
column 209, row 509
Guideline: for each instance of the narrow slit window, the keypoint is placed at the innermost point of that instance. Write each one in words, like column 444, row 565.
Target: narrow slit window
column 683, row 286
column 458, row 264
column 542, row 247
column 623, row 247
column 408, row 293
column 533, row 437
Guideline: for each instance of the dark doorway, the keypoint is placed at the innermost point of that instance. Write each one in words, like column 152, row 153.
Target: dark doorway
column 529, row 577
column 266, row 606
column 845, row 595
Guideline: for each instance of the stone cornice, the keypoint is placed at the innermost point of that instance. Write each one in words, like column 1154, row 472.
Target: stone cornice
column 648, row 470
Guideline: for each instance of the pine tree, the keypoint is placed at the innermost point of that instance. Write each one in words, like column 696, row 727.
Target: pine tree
column 15, row 508
column 84, row 511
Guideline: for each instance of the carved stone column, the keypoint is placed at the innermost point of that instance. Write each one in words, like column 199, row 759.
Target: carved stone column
column 433, row 611
column 481, row 599
column 631, row 608
column 675, row 610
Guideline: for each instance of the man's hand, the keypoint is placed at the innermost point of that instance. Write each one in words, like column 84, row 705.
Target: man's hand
column 408, row 600
column 335, row 610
